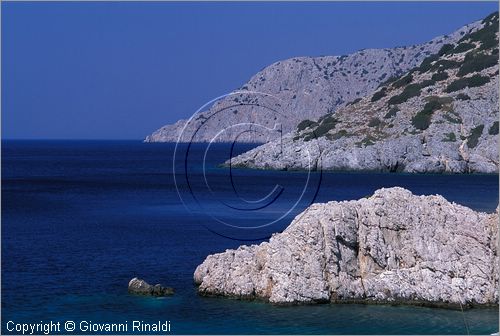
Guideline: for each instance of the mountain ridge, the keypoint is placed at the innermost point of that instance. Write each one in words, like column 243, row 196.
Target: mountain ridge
column 440, row 117
column 305, row 86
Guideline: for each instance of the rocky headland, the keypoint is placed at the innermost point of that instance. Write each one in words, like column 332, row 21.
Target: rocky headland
column 439, row 117
column 391, row 247
column 301, row 87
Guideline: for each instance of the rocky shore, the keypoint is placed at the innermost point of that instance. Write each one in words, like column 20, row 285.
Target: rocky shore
column 440, row 117
column 391, row 247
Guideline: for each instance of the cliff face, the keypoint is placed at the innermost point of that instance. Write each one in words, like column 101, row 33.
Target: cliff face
column 441, row 116
column 303, row 87
column 390, row 247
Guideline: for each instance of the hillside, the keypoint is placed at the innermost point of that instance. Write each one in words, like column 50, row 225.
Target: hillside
column 298, row 88
column 441, row 116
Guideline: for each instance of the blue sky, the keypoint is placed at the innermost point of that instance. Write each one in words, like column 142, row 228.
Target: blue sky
column 119, row 70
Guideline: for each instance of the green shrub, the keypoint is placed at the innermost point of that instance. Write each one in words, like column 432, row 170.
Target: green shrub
column 491, row 19
column 439, row 76
column 486, row 35
column 379, row 95
column 427, row 63
column 374, row 122
column 326, row 123
column 389, row 80
column 305, row 124
column 462, row 83
column 442, row 100
column 493, row 129
column 426, row 83
column 475, row 134
column 403, row 81
column 464, row 46
column 445, row 49
column 410, row 91
column 474, row 62
column 450, row 137
column 462, row 96
column 323, row 129
column 422, row 120
column 445, row 64
column 392, row 112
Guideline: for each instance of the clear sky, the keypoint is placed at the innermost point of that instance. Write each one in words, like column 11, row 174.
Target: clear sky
column 120, row 70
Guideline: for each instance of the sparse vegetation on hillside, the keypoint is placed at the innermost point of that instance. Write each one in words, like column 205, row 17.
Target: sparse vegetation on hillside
column 317, row 129
column 305, row 124
column 450, row 137
column 410, row 91
column 379, row 94
column 487, row 35
column 493, row 129
column 475, row 62
column 462, row 47
column 439, row 76
column 445, row 64
column 422, row 119
column 392, row 112
column 445, row 49
column 475, row 134
column 403, row 81
column 400, row 88
column 462, row 83
column 426, row 63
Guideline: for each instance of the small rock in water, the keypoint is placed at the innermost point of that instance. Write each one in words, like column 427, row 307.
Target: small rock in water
column 141, row 287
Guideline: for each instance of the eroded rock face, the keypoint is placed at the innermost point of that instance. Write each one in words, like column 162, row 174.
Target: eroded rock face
column 391, row 247
column 141, row 287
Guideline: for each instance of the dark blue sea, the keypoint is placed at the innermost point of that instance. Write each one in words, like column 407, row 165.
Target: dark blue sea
column 81, row 218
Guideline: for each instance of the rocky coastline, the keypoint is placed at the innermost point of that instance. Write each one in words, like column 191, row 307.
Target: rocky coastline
column 440, row 117
column 392, row 247
column 298, row 88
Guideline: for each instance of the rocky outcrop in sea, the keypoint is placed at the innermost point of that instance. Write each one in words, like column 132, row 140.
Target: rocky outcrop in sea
column 288, row 91
column 440, row 117
column 390, row 247
column 141, row 287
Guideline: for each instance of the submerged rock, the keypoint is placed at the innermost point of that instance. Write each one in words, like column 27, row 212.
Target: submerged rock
column 391, row 247
column 141, row 287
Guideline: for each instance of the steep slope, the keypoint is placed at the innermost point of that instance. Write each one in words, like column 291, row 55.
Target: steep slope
column 301, row 87
column 441, row 116
column 390, row 247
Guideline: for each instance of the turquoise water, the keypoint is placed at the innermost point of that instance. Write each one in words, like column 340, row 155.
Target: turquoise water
column 80, row 219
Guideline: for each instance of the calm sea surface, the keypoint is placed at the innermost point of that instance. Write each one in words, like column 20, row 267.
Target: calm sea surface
column 81, row 218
